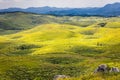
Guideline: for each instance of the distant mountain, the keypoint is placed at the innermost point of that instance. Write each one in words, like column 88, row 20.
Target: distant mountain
column 110, row 10
column 107, row 10
column 38, row 10
column 43, row 10
column 75, row 12
column 11, row 10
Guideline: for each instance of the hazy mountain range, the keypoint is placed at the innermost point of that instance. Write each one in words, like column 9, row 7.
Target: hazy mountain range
column 107, row 10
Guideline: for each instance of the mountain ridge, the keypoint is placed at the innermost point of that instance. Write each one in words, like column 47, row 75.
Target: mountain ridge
column 107, row 10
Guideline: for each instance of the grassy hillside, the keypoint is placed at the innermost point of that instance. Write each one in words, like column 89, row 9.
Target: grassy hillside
column 60, row 47
column 19, row 21
column 14, row 22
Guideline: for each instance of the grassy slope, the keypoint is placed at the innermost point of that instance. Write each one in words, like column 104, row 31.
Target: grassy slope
column 50, row 49
column 18, row 21
column 14, row 22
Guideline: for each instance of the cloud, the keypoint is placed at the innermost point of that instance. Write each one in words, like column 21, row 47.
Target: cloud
column 11, row 1
column 2, row 0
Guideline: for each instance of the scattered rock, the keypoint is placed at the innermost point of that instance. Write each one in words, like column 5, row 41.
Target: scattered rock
column 57, row 77
column 102, row 68
column 114, row 69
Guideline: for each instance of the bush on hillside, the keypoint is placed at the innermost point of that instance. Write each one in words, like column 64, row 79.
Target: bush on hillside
column 102, row 24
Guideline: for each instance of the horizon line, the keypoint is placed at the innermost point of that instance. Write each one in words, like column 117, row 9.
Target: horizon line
column 57, row 7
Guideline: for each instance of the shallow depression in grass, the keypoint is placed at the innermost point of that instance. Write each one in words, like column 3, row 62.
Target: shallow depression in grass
column 63, row 60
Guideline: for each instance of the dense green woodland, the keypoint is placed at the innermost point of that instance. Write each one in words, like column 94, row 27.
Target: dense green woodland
column 38, row 47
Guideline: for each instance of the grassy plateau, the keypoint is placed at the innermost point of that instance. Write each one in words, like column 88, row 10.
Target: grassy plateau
column 38, row 47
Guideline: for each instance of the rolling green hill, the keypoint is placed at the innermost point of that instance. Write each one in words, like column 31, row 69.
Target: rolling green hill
column 12, row 22
column 74, row 47
column 19, row 21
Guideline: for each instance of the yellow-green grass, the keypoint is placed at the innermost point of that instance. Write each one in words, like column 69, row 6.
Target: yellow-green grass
column 57, row 37
column 54, row 49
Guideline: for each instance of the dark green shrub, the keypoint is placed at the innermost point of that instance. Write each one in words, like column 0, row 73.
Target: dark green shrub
column 27, row 46
column 102, row 24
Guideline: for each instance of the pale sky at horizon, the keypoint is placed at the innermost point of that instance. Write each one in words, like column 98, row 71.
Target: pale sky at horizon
column 54, row 3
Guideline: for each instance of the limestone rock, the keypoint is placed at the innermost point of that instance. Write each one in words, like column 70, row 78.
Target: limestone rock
column 57, row 77
column 114, row 69
column 102, row 68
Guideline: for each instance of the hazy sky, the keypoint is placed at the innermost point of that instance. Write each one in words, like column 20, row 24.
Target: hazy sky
column 54, row 3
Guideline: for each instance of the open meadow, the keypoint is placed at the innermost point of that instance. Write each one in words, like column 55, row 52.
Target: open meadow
column 38, row 47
